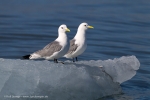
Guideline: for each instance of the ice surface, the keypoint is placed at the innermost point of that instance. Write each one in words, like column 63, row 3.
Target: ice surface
column 84, row 80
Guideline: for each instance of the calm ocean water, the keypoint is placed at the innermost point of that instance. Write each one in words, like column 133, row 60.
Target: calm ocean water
column 121, row 28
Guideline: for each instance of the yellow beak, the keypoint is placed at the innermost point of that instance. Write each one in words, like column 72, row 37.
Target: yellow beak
column 67, row 30
column 90, row 27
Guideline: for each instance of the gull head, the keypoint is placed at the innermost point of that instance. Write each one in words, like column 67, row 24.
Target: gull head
column 63, row 29
column 84, row 26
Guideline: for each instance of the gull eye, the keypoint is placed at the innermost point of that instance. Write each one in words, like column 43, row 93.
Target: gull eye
column 84, row 25
column 62, row 27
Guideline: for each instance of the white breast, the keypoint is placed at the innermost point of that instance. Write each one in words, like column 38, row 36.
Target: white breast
column 81, row 47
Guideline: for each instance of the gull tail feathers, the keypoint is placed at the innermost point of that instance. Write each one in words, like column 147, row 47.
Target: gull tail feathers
column 26, row 57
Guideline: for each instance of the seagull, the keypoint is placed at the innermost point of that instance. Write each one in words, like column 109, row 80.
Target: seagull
column 78, row 43
column 55, row 49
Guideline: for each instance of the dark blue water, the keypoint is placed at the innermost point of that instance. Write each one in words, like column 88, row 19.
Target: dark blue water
column 121, row 28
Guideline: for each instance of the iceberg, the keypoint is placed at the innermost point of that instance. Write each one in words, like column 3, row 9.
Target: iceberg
column 83, row 80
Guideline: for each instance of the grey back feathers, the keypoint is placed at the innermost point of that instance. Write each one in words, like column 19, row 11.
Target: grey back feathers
column 49, row 49
column 73, row 46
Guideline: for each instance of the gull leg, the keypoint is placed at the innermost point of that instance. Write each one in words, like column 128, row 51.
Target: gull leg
column 76, row 59
column 56, row 61
column 73, row 59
